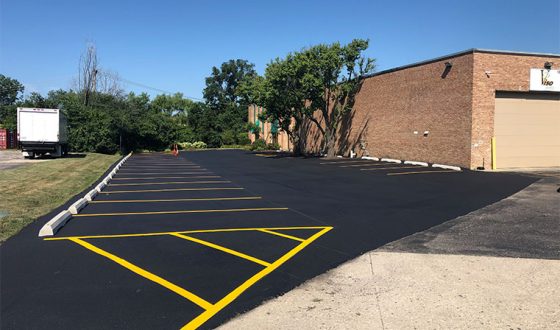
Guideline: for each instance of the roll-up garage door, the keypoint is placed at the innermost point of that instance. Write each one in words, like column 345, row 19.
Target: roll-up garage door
column 527, row 130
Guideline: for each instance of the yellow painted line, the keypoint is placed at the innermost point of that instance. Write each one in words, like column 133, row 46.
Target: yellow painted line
column 364, row 165
column 282, row 235
column 172, row 182
column 183, row 212
column 162, row 190
column 159, row 173
column 386, row 168
column 126, row 167
column 223, row 249
column 265, row 155
column 423, row 172
column 209, row 313
column 146, row 274
column 172, row 177
column 174, row 200
column 223, row 230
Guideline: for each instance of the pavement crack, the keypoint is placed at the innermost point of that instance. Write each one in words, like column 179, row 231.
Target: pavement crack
column 376, row 293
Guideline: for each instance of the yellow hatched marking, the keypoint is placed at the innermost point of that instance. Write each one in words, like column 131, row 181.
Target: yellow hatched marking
column 174, row 189
column 146, row 274
column 209, row 313
column 223, row 249
column 172, row 177
column 184, row 212
column 365, row 165
column 424, row 172
column 223, row 230
column 386, row 168
column 172, row 182
column 174, row 200
column 282, row 235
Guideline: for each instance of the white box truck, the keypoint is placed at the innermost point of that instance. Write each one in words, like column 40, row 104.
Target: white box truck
column 42, row 131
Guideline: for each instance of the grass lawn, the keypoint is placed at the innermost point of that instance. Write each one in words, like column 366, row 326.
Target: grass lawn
column 29, row 191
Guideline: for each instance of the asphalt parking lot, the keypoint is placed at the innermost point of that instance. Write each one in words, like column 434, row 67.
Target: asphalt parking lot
column 192, row 241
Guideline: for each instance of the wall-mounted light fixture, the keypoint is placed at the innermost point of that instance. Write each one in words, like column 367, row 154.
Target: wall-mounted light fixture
column 548, row 65
column 448, row 65
column 488, row 73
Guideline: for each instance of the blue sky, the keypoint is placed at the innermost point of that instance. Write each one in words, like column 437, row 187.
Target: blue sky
column 172, row 45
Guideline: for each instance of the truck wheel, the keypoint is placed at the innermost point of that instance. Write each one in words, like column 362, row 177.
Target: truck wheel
column 30, row 155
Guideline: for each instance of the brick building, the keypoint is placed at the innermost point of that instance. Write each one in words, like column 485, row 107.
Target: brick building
column 463, row 109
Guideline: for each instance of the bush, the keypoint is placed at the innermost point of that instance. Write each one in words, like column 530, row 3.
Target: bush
column 258, row 145
column 192, row 145
column 273, row 146
column 243, row 139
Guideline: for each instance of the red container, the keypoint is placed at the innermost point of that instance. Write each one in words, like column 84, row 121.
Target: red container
column 3, row 138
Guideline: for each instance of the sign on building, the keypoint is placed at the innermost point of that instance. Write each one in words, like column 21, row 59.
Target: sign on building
column 544, row 80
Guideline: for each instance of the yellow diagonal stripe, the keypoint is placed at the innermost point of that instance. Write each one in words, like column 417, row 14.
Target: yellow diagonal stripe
column 172, row 182
column 174, row 189
column 282, row 235
column 205, row 316
column 183, row 212
column 223, row 249
column 146, row 274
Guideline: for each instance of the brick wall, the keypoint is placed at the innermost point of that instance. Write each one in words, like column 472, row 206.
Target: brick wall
column 507, row 73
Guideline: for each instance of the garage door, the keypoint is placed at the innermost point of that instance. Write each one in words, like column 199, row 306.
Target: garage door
column 527, row 130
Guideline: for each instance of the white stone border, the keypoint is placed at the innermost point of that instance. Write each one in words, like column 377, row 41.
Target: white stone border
column 370, row 158
column 447, row 167
column 391, row 160
column 57, row 222
column 413, row 162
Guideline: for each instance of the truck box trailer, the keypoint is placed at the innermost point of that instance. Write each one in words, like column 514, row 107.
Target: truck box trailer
column 42, row 131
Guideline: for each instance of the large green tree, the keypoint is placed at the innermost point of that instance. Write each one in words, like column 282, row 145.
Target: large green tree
column 10, row 93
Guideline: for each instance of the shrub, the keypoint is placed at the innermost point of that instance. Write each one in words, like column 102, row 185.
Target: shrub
column 273, row 146
column 258, row 145
column 199, row 145
column 243, row 139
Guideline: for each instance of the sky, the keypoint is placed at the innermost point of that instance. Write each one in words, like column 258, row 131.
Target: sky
column 173, row 45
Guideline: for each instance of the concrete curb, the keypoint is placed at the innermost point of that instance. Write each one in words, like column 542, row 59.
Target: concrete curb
column 390, row 160
column 447, row 167
column 370, row 158
column 51, row 227
column 413, row 162
column 77, row 206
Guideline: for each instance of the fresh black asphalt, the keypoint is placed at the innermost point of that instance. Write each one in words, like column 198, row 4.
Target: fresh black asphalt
column 62, row 285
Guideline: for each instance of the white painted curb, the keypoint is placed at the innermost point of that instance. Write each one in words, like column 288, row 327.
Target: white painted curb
column 51, row 227
column 77, row 206
column 412, row 162
column 370, row 158
column 447, row 167
column 91, row 195
column 390, row 160
column 100, row 187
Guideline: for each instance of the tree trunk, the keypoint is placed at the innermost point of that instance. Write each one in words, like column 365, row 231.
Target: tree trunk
column 330, row 143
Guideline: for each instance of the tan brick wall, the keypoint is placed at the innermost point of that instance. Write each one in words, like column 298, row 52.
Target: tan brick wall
column 266, row 129
column 507, row 73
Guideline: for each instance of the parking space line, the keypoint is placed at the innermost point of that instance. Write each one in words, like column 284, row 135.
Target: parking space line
column 174, row 189
column 175, row 200
column 222, row 230
column 365, row 165
column 127, row 167
column 209, row 313
column 159, row 173
column 282, row 235
column 146, row 274
column 172, row 182
column 223, row 249
column 173, row 177
column 386, row 168
column 334, row 162
column 84, row 215
column 424, row 172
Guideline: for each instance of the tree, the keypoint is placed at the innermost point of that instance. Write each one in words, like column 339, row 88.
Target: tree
column 333, row 77
column 87, row 72
column 10, row 93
